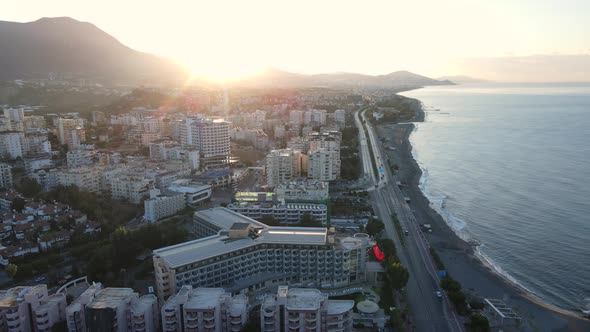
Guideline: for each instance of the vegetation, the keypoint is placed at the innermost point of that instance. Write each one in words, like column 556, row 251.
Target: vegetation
column 29, row 187
column 455, row 294
column 398, row 229
column 349, row 155
column 374, row 227
column 479, row 323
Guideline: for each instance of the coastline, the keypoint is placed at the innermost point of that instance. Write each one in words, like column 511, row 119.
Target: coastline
column 477, row 276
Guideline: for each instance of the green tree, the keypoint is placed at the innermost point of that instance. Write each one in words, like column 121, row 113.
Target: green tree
column 397, row 275
column 479, row 323
column 310, row 221
column 18, row 204
column 29, row 187
column 374, row 227
column 11, row 269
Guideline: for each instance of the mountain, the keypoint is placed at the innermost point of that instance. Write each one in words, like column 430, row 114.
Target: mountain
column 283, row 79
column 462, row 79
column 66, row 46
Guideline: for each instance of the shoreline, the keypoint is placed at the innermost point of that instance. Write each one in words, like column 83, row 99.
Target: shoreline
column 478, row 277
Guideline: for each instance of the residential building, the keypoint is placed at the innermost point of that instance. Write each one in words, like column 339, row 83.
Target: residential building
column 315, row 117
column 71, row 132
column 304, row 309
column 161, row 205
column 323, row 165
column 204, row 309
column 5, row 176
column 47, row 179
column 298, row 143
column 283, row 165
column 85, row 178
column 296, row 117
column 37, row 162
column 211, row 137
column 75, row 318
column 284, row 213
column 130, row 188
column 302, row 190
column 85, row 155
column 121, row 310
column 29, row 308
column 340, row 117
column 37, row 142
column 12, row 144
column 243, row 255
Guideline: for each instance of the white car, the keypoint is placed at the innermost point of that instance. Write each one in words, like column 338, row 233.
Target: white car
column 438, row 294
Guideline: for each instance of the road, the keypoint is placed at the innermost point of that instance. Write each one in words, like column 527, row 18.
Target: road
column 430, row 313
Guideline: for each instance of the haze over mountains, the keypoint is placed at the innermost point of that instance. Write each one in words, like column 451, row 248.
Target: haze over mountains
column 67, row 46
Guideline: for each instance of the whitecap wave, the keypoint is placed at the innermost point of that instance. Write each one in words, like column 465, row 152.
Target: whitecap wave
column 486, row 260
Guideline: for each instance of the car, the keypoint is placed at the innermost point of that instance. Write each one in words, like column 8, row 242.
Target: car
column 39, row 279
column 406, row 232
column 438, row 294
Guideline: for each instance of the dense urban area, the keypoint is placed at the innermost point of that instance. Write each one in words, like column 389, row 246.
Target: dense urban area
column 201, row 209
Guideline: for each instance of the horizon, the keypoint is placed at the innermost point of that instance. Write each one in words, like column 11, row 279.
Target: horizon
column 228, row 41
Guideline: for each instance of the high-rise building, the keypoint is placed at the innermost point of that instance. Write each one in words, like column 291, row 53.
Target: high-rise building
column 75, row 318
column 340, row 117
column 71, row 132
column 85, row 178
column 240, row 254
column 283, row 165
column 211, row 137
column 30, row 308
column 304, row 309
column 323, row 165
column 296, row 117
column 5, row 176
column 204, row 309
column 161, row 205
column 130, row 188
column 12, row 144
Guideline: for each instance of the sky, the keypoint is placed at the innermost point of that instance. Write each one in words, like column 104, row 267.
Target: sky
column 228, row 39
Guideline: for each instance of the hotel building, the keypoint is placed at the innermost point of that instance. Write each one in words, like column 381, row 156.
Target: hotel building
column 243, row 255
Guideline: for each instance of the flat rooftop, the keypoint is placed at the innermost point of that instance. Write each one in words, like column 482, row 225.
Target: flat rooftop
column 110, row 298
column 195, row 250
column 304, row 299
column 204, row 298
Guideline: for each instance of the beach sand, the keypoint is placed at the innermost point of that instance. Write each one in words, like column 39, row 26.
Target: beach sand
column 459, row 256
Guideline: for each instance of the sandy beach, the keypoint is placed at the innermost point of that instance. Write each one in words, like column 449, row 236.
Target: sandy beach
column 459, row 256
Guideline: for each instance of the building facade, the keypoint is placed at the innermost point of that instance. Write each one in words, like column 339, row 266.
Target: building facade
column 243, row 255
column 210, row 136
column 283, row 165
column 161, row 205
column 284, row 213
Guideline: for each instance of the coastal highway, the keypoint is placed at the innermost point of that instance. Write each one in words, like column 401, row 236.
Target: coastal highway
column 430, row 313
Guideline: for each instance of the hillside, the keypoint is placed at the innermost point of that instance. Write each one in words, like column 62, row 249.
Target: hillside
column 69, row 47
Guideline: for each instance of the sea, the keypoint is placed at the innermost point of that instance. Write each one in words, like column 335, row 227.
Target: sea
column 508, row 167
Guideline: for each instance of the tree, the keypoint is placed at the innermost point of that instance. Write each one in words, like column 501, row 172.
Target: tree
column 269, row 220
column 29, row 187
column 479, row 323
column 11, row 269
column 374, row 227
column 397, row 275
column 18, row 204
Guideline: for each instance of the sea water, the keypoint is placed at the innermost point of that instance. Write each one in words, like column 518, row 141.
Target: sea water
column 508, row 166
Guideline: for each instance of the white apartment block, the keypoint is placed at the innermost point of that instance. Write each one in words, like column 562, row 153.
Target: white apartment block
column 71, row 132
column 285, row 213
column 161, row 205
column 85, row 178
column 298, row 143
column 283, row 165
column 169, row 150
column 210, row 136
column 149, row 137
column 12, row 144
column 121, row 310
column 30, row 308
column 302, row 190
column 83, row 156
column 130, row 188
column 37, row 143
column 340, row 117
column 304, row 310
column 243, row 255
column 75, row 318
column 315, row 117
column 296, row 117
column 5, row 176
column 47, row 179
column 204, row 309
column 34, row 123
column 323, row 165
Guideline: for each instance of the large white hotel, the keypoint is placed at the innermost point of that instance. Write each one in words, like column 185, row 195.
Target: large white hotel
column 243, row 255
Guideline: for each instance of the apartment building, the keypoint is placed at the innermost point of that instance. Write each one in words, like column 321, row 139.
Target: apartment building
column 340, row 117
column 5, row 176
column 161, row 205
column 298, row 143
column 210, row 136
column 204, row 309
column 304, row 309
column 194, row 192
column 85, row 178
column 85, row 155
column 283, row 165
column 302, row 190
column 121, row 310
column 323, row 165
column 75, row 318
column 12, row 144
column 37, row 143
column 243, row 255
column 130, row 188
column 296, row 117
column 71, row 132
column 284, row 213
column 30, row 308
